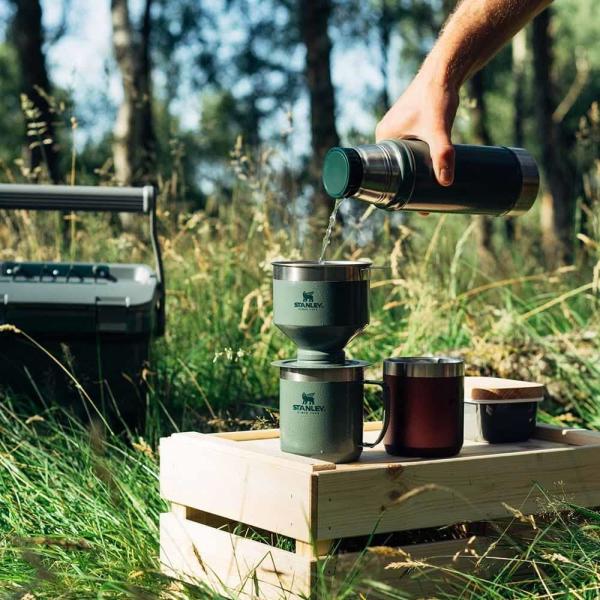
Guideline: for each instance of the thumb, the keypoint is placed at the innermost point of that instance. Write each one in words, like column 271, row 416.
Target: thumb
column 442, row 157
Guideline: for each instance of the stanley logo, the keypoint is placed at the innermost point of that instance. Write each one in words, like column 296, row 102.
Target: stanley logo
column 308, row 404
column 308, row 301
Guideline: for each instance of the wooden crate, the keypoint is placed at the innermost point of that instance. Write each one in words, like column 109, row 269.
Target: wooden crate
column 223, row 486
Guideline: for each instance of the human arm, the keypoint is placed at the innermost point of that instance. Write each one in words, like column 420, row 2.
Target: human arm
column 473, row 34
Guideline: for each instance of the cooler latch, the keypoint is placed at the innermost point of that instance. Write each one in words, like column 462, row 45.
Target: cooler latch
column 112, row 314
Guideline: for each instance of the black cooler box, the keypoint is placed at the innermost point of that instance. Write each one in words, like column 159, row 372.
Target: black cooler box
column 96, row 319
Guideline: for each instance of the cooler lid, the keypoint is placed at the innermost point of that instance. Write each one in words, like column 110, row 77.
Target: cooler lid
column 76, row 284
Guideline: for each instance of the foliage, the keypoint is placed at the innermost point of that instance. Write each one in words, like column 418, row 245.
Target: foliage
column 11, row 117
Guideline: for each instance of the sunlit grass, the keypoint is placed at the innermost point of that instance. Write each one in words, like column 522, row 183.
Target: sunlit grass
column 79, row 510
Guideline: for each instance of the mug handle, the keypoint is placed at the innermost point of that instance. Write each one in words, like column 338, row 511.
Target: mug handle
column 386, row 412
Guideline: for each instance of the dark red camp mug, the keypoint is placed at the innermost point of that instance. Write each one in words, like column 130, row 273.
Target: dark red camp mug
column 426, row 406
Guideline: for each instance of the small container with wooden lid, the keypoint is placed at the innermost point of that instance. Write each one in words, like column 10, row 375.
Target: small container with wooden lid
column 500, row 410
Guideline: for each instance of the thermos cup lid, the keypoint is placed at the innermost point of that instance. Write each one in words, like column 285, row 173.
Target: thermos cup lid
column 496, row 390
column 342, row 172
column 327, row 270
column 424, row 366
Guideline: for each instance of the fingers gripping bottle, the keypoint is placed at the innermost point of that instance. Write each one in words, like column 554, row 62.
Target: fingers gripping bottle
column 398, row 175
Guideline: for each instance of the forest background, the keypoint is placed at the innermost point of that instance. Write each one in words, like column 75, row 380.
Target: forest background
column 160, row 88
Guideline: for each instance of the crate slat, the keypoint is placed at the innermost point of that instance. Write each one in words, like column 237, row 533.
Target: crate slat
column 441, row 565
column 565, row 435
column 440, row 492
column 222, row 479
column 226, row 562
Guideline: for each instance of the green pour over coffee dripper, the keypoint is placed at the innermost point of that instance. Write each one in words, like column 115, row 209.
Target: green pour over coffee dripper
column 321, row 306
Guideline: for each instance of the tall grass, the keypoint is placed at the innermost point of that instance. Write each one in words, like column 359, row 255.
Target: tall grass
column 79, row 513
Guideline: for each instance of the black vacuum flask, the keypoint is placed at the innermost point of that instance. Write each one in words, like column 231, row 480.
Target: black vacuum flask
column 398, row 175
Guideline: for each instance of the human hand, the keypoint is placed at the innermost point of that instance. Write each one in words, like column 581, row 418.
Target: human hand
column 425, row 110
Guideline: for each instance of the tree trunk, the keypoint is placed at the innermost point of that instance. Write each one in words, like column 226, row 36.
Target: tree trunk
column 252, row 63
column 519, row 56
column 314, row 18
column 134, row 142
column 27, row 35
column 385, row 24
column 147, row 135
column 481, row 135
column 558, row 204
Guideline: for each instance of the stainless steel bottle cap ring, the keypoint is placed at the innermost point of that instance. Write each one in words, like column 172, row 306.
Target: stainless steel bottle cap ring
column 328, row 270
column 424, row 366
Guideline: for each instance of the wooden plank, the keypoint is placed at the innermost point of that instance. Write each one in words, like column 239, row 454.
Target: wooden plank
column 563, row 435
column 372, row 426
column 270, row 447
column 554, row 433
column 180, row 510
column 245, row 436
column 270, row 453
column 229, row 563
column 265, row 434
column 420, row 569
column 378, row 455
column 241, row 486
column 314, row 549
column 441, row 492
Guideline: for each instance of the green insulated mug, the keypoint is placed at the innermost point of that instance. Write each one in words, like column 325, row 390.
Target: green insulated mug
column 321, row 410
column 321, row 306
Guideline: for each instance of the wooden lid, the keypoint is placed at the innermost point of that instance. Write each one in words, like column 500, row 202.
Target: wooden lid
column 496, row 388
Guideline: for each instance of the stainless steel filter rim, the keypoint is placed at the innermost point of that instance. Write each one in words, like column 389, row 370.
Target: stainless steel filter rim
column 424, row 366
column 328, row 270
column 291, row 370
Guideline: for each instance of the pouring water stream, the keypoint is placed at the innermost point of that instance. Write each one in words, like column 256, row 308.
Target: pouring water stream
column 330, row 226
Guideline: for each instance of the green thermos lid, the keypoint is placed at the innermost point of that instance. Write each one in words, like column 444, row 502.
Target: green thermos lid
column 342, row 172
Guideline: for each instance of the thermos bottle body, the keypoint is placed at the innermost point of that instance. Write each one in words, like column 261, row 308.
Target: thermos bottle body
column 398, row 175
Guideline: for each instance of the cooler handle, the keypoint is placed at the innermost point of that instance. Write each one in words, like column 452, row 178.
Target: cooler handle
column 77, row 198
